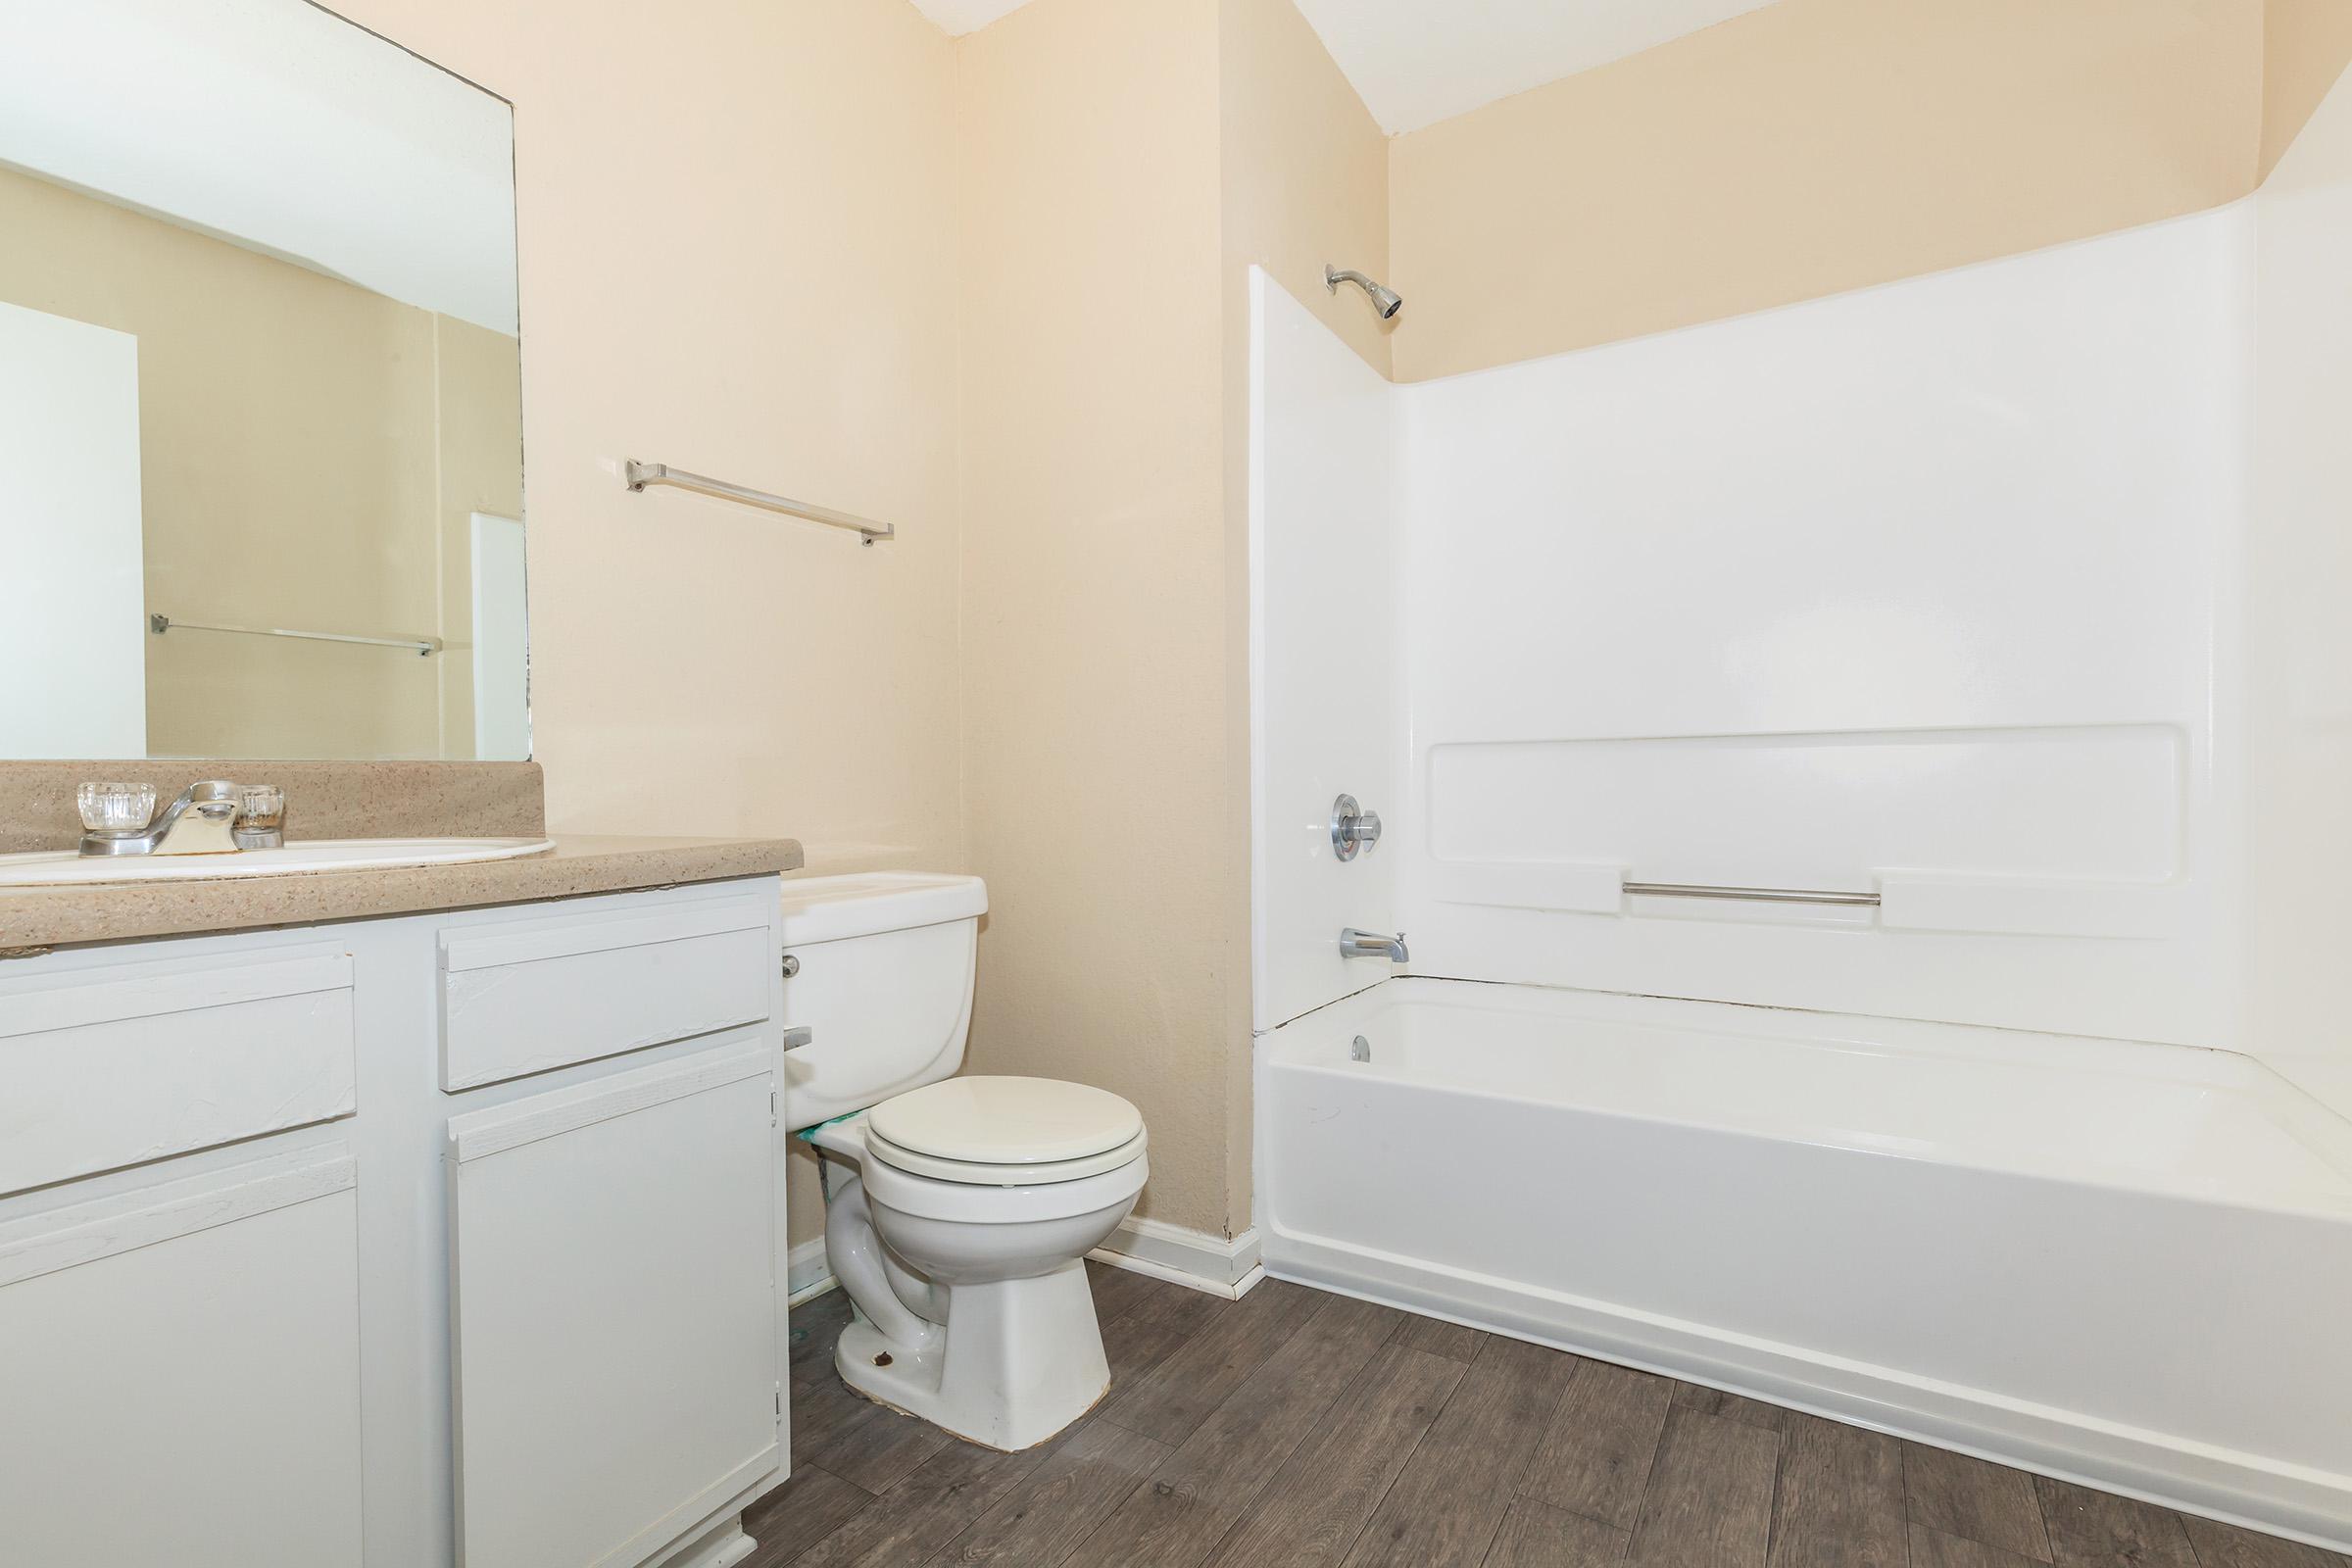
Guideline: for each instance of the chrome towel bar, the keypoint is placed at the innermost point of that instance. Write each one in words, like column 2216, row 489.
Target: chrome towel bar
column 1701, row 890
column 640, row 475
column 159, row 624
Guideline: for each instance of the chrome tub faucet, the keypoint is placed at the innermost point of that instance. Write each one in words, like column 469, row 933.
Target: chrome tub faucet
column 1355, row 944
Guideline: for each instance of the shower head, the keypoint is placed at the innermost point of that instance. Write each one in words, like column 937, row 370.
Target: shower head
column 1385, row 300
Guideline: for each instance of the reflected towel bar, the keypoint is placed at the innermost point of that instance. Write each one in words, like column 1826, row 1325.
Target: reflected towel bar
column 159, row 624
column 640, row 475
column 1700, row 890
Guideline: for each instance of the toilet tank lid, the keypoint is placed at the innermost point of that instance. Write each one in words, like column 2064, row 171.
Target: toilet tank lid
column 825, row 909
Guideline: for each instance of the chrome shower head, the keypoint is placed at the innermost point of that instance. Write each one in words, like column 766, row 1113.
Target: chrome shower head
column 1385, row 300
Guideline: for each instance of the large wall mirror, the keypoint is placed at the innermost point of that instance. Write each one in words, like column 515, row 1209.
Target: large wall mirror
column 260, row 390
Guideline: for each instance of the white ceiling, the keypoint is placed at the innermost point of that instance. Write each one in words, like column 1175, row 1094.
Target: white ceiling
column 960, row 16
column 1418, row 62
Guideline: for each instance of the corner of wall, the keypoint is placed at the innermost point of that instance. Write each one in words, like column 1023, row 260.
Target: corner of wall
column 1090, row 479
column 2305, row 46
column 1305, row 168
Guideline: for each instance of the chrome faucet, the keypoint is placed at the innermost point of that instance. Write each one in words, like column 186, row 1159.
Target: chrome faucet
column 1355, row 944
column 211, row 817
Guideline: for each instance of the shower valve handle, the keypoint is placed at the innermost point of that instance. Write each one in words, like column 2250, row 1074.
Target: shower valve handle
column 1352, row 828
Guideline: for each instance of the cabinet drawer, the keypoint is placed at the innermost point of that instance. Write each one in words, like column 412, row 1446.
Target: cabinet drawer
column 125, row 1063
column 529, row 996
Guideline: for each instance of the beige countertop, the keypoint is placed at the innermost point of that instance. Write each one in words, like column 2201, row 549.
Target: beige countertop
column 35, row 919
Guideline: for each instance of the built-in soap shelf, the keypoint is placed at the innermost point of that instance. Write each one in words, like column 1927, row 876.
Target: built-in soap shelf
column 1905, row 900
column 2061, row 830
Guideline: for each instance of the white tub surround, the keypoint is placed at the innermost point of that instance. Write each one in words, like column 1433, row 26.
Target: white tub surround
column 1921, row 592
column 1326, row 653
column 2298, row 565
column 2000, row 610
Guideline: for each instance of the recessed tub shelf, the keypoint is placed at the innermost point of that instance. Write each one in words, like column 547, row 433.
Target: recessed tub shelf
column 2029, row 830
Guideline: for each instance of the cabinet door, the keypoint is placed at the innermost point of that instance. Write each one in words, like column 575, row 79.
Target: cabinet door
column 180, row 1372
column 613, row 1319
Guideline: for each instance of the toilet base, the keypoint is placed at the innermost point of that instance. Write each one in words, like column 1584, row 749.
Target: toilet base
column 1016, row 1361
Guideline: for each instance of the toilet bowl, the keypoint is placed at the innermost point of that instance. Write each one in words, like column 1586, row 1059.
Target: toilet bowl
column 960, row 1211
column 986, row 1323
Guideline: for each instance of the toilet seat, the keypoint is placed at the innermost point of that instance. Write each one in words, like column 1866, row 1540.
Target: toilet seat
column 998, row 1196
column 1007, row 1125
column 916, row 1163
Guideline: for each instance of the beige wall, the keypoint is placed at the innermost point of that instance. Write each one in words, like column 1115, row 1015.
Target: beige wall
column 1097, row 751
column 2305, row 44
column 287, row 448
column 1305, row 175
column 737, row 256
column 843, row 185
column 1121, row 166
column 1810, row 147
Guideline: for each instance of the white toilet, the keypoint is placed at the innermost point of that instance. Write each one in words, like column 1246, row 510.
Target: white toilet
column 961, row 1209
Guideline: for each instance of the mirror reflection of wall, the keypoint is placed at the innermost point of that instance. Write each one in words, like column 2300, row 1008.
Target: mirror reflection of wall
column 259, row 369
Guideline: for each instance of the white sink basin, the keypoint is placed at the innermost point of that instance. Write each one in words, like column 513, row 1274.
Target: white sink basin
column 67, row 868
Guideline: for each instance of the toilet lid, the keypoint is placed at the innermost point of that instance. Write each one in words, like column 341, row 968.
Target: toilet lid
column 1006, row 1121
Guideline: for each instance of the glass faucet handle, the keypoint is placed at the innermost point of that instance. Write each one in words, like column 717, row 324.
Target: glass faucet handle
column 260, row 805
column 260, row 822
column 109, row 807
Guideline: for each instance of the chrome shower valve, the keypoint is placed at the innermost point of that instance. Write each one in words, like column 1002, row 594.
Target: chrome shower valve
column 1352, row 828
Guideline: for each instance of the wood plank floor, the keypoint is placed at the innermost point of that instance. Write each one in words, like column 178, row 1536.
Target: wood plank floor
column 1292, row 1429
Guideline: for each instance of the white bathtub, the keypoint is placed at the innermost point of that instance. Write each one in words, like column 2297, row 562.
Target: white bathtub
column 2124, row 1264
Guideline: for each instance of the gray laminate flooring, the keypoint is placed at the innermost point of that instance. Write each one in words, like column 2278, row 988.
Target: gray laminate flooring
column 1292, row 1429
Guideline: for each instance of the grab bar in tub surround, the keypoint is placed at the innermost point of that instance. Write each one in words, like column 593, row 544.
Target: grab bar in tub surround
column 1900, row 897
column 1702, row 890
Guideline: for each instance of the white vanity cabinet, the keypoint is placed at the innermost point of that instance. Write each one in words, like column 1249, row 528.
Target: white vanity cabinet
column 435, row 1238
column 179, row 1371
column 180, row 1340
column 623, row 1226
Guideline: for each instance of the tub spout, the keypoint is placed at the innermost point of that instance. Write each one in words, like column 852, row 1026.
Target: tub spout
column 1355, row 944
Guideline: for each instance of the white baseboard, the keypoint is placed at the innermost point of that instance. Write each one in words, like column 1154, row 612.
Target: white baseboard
column 2237, row 1488
column 1220, row 1266
column 806, row 1274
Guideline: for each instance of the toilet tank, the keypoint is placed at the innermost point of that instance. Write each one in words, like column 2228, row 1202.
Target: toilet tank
column 878, row 968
